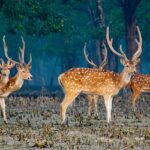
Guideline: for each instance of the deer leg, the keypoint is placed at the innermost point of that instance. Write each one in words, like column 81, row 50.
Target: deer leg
column 2, row 104
column 90, row 98
column 65, row 103
column 95, row 105
column 135, row 95
column 108, row 105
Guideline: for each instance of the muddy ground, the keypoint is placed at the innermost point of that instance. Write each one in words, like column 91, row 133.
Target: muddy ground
column 34, row 123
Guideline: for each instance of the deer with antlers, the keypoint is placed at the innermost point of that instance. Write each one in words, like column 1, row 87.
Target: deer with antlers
column 94, row 98
column 16, row 82
column 93, row 81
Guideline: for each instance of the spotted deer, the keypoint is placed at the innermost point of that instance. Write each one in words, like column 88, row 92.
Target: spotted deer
column 94, row 98
column 96, row 82
column 139, row 83
column 16, row 82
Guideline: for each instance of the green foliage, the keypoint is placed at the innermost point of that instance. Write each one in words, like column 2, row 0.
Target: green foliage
column 143, row 17
column 114, row 18
column 63, row 20
column 33, row 16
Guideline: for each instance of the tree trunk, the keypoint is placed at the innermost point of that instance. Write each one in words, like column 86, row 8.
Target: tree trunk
column 100, row 13
column 130, row 28
column 98, row 20
column 129, row 9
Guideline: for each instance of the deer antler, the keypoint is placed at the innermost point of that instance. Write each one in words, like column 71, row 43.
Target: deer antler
column 122, row 52
column 109, row 41
column 22, row 51
column 139, row 44
column 6, row 51
column 2, row 65
column 86, row 57
column 30, row 60
column 5, row 48
column 21, row 54
column 104, row 62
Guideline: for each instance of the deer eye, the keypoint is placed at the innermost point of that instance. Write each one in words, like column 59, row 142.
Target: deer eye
column 23, row 71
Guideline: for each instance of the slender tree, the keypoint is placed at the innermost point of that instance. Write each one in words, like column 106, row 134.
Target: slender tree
column 102, row 27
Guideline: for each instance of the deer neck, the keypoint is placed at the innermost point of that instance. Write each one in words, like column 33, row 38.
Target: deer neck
column 125, row 78
column 14, row 84
column 3, row 81
column 18, row 81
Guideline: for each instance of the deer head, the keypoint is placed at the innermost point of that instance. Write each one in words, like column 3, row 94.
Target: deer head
column 5, row 67
column 22, row 67
column 129, row 65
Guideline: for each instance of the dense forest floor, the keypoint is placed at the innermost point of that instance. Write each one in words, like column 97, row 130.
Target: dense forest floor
column 34, row 123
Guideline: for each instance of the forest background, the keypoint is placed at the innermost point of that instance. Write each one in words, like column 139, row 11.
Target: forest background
column 55, row 32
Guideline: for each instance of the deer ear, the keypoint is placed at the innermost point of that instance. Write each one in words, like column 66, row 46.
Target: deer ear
column 122, row 61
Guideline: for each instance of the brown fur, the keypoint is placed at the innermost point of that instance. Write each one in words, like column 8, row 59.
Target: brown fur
column 93, row 81
column 5, row 72
column 139, row 83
